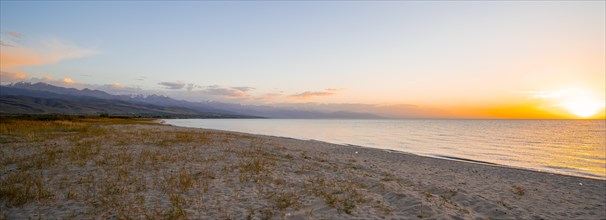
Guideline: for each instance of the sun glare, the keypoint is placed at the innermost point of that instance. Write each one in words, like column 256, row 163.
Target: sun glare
column 582, row 104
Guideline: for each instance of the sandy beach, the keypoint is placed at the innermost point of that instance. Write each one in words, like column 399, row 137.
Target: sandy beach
column 139, row 170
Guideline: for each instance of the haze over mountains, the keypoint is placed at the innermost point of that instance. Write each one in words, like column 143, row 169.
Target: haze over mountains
column 42, row 98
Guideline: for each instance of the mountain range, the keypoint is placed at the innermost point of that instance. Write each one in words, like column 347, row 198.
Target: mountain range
column 42, row 98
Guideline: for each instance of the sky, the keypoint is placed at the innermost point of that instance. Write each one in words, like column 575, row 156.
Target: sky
column 443, row 59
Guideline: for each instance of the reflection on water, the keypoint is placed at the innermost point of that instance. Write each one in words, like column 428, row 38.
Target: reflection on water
column 573, row 147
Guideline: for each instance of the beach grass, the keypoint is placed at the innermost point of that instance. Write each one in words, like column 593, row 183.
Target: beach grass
column 136, row 168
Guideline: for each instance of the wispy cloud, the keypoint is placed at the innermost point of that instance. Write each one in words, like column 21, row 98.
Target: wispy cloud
column 172, row 85
column 10, row 77
column 5, row 44
column 243, row 88
column 228, row 92
column 14, row 55
column 14, row 34
column 311, row 94
column 54, row 50
column 559, row 95
column 178, row 85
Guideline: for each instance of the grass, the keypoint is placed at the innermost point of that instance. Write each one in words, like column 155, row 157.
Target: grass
column 21, row 188
column 124, row 168
column 342, row 194
column 518, row 190
column 285, row 200
column 176, row 210
column 108, row 168
column 28, row 127
column 182, row 180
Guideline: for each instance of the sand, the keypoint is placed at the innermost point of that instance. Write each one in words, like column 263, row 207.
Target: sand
column 158, row 171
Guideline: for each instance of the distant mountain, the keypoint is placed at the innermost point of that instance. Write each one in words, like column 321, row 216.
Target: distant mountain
column 44, row 98
column 275, row 112
column 43, row 87
column 33, row 105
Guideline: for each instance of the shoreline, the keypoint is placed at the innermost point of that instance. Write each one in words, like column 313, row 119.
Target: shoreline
column 457, row 162
column 443, row 157
column 133, row 170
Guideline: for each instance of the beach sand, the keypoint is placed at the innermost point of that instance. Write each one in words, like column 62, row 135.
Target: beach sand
column 118, row 171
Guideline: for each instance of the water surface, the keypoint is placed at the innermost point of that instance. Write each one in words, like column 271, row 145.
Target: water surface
column 572, row 147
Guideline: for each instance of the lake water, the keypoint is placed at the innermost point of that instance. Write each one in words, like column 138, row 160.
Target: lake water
column 572, row 147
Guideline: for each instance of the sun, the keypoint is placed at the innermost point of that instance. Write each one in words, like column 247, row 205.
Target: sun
column 582, row 104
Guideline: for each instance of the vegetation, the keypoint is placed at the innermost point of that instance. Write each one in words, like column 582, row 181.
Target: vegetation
column 518, row 190
column 135, row 168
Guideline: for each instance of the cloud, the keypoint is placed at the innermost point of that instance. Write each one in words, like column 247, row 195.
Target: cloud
column 55, row 50
column 5, row 44
column 64, row 82
column 14, row 55
column 119, row 89
column 172, row 85
column 190, row 86
column 243, row 88
column 114, row 88
column 117, row 85
column 269, row 97
column 243, row 95
column 311, row 94
column 178, row 85
column 560, row 95
column 228, row 92
column 68, row 80
column 14, row 34
column 10, row 77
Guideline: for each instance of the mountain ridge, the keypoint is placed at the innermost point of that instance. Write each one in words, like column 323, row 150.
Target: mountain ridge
column 154, row 103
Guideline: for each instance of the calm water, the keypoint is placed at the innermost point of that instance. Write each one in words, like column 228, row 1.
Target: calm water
column 573, row 147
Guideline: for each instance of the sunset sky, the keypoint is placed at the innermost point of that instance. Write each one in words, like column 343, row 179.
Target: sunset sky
column 444, row 59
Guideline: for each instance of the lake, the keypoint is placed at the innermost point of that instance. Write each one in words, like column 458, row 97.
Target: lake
column 571, row 147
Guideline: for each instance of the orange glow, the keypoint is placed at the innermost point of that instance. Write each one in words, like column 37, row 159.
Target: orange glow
column 15, row 57
column 587, row 107
column 68, row 80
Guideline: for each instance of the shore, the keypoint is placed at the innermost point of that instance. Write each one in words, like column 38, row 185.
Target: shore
column 139, row 170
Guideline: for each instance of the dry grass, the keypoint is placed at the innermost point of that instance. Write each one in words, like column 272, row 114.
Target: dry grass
column 23, row 187
column 123, row 168
column 30, row 127
column 518, row 190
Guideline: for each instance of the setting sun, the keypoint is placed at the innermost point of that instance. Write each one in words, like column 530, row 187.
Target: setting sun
column 573, row 102
column 583, row 107
column 579, row 102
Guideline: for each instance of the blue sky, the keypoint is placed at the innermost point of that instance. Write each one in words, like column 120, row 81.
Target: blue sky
column 422, row 53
